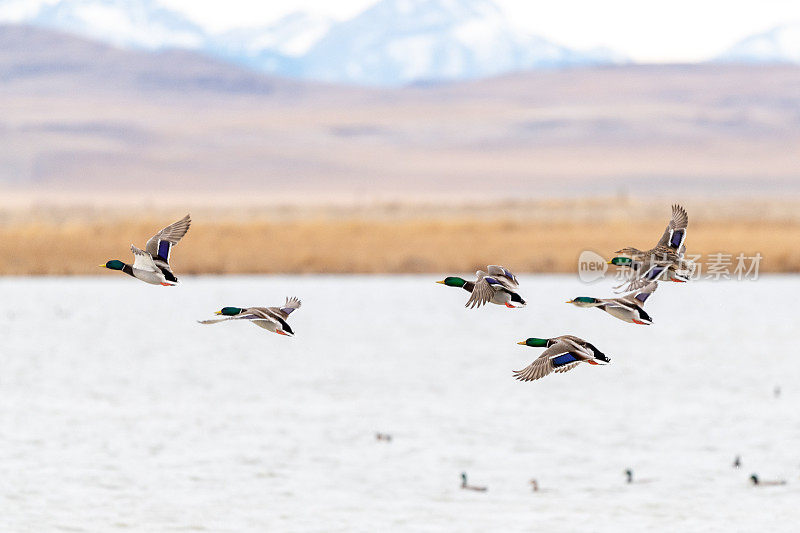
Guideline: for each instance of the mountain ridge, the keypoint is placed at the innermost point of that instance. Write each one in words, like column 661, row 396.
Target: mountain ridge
column 780, row 44
column 409, row 41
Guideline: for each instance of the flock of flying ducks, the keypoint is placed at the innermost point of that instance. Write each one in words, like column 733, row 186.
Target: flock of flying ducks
column 151, row 265
column 498, row 285
column 664, row 262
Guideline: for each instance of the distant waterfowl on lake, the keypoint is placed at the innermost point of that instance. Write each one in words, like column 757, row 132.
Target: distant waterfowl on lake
column 763, row 483
column 498, row 286
column 270, row 318
column 563, row 353
column 665, row 261
column 467, row 486
column 151, row 265
column 627, row 308
column 629, row 478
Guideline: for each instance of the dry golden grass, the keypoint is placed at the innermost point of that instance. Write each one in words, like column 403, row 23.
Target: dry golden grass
column 538, row 238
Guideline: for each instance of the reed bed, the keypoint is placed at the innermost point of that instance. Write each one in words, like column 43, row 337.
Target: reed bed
column 382, row 240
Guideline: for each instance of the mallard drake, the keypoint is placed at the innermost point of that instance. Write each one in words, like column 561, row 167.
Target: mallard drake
column 498, row 286
column 627, row 308
column 269, row 318
column 151, row 265
column 563, row 353
column 467, row 486
column 663, row 262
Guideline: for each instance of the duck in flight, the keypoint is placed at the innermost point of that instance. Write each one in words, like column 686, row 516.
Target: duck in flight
column 628, row 308
column 563, row 353
column 498, row 286
column 663, row 262
column 151, row 265
column 273, row 319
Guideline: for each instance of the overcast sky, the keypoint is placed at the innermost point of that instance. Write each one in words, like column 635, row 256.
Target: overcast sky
column 645, row 30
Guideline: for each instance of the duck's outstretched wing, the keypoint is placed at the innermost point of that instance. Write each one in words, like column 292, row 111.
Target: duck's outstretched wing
column 484, row 290
column 216, row 320
column 640, row 296
column 160, row 244
column 560, row 357
column 503, row 273
column 143, row 260
column 675, row 234
column 651, row 275
column 242, row 316
column 291, row 304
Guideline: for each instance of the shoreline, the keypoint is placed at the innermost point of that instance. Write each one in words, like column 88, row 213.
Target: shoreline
column 544, row 236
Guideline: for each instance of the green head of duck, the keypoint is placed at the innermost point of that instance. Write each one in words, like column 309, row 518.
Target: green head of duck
column 114, row 264
column 534, row 342
column 453, row 281
column 621, row 261
column 230, row 311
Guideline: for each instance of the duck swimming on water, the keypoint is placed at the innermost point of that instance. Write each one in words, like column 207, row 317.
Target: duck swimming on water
column 467, row 486
column 762, row 483
column 629, row 478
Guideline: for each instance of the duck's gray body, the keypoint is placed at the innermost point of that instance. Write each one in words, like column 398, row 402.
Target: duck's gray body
column 272, row 319
column 151, row 265
column 563, row 353
column 498, row 286
column 628, row 308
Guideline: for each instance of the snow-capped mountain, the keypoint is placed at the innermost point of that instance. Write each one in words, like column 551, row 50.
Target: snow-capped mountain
column 125, row 23
column 394, row 42
column 778, row 45
column 404, row 41
column 274, row 48
column 291, row 35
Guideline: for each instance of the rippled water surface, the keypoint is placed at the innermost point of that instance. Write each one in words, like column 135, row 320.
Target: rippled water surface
column 120, row 412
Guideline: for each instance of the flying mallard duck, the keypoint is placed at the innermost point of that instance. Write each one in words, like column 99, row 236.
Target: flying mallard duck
column 563, row 353
column 665, row 261
column 270, row 318
column 151, row 265
column 499, row 287
column 627, row 308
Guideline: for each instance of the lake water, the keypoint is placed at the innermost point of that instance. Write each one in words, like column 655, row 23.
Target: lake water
column 119, row 412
